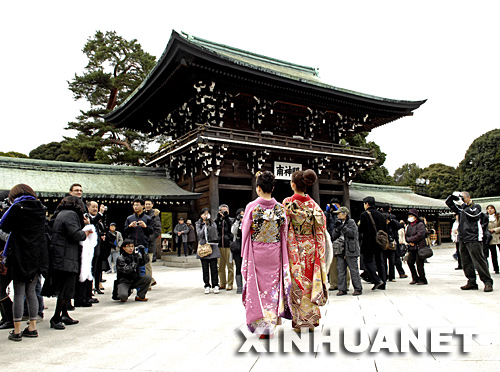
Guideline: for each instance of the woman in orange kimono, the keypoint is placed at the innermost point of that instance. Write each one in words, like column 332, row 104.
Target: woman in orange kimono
column 306, row 252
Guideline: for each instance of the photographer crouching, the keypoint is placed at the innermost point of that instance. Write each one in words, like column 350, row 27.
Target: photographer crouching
column 471, row 226
column 128, row 265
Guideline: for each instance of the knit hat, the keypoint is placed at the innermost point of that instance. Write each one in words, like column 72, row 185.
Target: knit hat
column 413, row 211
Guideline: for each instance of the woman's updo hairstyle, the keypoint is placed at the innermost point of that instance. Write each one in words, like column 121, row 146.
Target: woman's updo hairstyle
column 304, row 179
column 266, row 181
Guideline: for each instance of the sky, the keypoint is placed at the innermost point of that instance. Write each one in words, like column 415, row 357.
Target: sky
column 443, row 51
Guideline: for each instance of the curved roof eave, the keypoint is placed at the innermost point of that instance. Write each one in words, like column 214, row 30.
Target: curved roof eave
column 179, row 43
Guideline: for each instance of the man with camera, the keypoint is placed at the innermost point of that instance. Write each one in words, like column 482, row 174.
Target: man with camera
column 331, row 219
column 139, row 226
column 471, row 226
column 224, row 223
column 128, row 266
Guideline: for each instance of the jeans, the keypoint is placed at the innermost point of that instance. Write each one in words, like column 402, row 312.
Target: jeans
column 472, row 256
column 209, row 267
column 142, row 269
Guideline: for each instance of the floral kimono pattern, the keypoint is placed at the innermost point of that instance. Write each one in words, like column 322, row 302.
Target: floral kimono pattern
column 306, row 255
column 265, row 268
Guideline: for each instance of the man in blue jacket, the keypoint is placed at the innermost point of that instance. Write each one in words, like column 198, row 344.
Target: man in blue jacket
column 471, row 227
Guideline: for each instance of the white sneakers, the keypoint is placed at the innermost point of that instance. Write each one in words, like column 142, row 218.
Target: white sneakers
column 216, row 289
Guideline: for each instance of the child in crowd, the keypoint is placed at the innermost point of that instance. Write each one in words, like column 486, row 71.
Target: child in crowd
column 128, row 276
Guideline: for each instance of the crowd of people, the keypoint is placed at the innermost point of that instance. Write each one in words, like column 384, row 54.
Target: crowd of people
column 288, row 255
column 70, row 251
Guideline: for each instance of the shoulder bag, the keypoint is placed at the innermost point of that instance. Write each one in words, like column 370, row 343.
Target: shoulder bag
column 425, row 252
column 381, row 236
column 204, row 250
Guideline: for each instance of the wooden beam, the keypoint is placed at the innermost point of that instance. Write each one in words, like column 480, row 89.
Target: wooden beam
column 225, row 186
column 330, row 182
column 330, row 192
column 202, row 188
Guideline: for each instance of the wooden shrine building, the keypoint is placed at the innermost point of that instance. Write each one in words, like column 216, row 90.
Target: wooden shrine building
column 229, row 113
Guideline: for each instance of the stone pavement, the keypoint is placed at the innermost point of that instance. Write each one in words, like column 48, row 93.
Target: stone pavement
column 182, row 329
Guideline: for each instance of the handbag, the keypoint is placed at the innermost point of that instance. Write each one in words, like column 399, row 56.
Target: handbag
column 381, row 237
column 235, row 246
column 425, row 252
column 204, row 250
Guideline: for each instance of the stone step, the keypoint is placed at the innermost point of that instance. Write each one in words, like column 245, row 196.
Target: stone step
column 172, row 260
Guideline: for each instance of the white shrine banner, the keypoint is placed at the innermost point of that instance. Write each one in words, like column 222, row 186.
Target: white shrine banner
column 283, row 171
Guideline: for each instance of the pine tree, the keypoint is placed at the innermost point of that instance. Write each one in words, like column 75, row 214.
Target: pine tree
column 116, row 67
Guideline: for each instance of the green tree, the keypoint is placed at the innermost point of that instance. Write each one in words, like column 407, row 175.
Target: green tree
column 481, row 166
column 378, row 174
column 13, row 154
column 407, row 174
column 53, row 151
column 115, row 69
column 443, row 180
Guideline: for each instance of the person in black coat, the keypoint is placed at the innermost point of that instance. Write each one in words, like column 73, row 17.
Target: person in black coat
column 65, row 254
column 26, row 254
column 7, row 321
column 224, row 224
column 372, row 253
column 128, row 276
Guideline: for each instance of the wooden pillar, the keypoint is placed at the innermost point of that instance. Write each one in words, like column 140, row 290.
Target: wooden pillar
column 438, row 229
column 315, row 193
column 346, row 197
column 254, row 185
column 213, row 185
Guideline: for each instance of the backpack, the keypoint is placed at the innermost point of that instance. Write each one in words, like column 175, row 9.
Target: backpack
column 381, row 237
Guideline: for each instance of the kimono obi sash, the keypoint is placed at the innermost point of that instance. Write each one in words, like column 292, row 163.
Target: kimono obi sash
column 266, row 224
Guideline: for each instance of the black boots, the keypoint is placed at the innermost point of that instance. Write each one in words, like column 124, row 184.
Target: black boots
column 6, row 311
column 239, row 284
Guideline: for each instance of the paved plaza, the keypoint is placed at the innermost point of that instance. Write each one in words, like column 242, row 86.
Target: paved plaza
column 182, row 329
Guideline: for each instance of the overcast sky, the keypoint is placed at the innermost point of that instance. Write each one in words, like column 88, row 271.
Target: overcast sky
column 442, row 51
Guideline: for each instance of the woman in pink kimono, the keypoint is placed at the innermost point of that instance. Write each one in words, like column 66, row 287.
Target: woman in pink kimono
column 306, row 252
column 265, row 269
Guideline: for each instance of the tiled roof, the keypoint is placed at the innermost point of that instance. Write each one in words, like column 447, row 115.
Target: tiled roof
column 274, row 66
column 399, row 197
column 484, row 202
column 53, row 179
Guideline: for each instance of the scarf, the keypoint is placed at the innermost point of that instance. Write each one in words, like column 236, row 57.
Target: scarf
column 4, row 217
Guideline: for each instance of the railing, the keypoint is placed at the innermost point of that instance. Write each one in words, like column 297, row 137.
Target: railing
column 204, row 131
